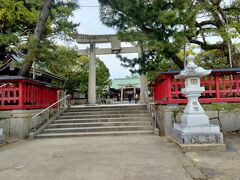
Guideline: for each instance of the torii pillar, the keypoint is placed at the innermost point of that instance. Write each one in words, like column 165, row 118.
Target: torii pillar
column 92, row 75
column 143, row 81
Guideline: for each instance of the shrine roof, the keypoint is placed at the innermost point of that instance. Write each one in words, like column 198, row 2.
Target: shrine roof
column 128, row 81
column 20, row 78
column 8, row 65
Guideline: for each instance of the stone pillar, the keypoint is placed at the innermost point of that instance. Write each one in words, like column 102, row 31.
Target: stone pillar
column 143, row 87
column 134, row 90
column 121, row 93
column 143, row 82
column 92, row 76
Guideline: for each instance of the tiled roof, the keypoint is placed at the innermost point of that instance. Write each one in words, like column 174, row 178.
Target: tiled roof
column 116, row 83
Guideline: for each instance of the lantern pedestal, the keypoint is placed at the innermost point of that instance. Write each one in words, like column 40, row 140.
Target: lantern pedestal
column 205, row 134
column 1, row 136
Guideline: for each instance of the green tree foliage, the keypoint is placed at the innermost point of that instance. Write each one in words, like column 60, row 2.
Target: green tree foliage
column 102, row 77
column 164, row 27
column 219, row 19
column 58, row 59
column 207, row 59
column 158, row 25
column 18, row 19
column 66, row 63
column 211, row 59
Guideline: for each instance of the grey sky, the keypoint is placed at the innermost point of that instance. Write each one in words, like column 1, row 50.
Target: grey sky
column 90, row 24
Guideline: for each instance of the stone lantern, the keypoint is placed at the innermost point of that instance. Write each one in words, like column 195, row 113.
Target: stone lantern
column 194, row 127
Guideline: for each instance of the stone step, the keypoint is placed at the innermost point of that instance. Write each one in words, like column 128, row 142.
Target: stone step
column 100, row 110
column 82, row 116
column 106, row 108
column 109, row 106
column 88, row 120
column 97, row 129
column 100, row 120
column 111, row 133
column 97, row 124
column 105, row 112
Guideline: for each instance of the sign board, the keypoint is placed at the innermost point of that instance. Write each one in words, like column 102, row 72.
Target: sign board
column 193, row 81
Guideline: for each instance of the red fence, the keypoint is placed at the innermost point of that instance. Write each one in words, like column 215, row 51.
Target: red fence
column 222, row 85
column 26, row 94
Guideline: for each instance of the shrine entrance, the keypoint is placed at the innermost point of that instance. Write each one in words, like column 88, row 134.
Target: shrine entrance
column 133, row 91
column 116, row 48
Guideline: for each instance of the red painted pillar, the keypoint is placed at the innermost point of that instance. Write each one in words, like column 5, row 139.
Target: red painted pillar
column 217, row 86
column 231, row 84
column 169, row 87
column 21, row 94
column 15, row 89
column 237, row 84
column 40, row 97
column 2, row 95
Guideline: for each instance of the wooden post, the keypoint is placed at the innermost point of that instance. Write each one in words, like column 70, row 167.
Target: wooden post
column 237, row 84
column 169, row 87
column 217, row 84
column 21, row 94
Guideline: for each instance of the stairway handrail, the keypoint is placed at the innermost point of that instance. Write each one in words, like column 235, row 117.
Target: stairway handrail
column 5, row 84
column 152, row 111
column 66, row 102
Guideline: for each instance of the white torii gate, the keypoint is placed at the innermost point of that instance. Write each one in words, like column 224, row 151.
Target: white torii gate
column 115, row 49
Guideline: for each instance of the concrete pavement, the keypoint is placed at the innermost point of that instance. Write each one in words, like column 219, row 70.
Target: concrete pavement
column 91, row 158
column 220, row 165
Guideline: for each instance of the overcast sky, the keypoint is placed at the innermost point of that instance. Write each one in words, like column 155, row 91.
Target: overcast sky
column 90, row 24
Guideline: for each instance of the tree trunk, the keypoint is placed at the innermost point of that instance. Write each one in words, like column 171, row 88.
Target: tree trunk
column 33, row 41
column 2, row 52
column 178, row 61
column 236, row 60
column 174, row 57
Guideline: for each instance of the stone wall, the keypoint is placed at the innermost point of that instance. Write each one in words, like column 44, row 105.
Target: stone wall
column 16, row 123
column 167, row 115
column 1, row 136
column 78, row 102
column 165, row 118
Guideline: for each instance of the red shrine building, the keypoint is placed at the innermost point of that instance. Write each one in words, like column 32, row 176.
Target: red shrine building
column 18, row 92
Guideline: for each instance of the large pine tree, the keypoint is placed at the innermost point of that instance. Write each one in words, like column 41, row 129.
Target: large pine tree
column 166, row 26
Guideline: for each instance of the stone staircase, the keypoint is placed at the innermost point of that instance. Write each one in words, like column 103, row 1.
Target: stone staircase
column 100, row 120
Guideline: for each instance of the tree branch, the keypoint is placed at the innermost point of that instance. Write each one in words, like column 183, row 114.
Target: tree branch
column 206, row 46
column 231, row 8
column 208, row 22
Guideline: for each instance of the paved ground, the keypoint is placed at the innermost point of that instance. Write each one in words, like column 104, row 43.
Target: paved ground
column 91, row 158
column 220, row 165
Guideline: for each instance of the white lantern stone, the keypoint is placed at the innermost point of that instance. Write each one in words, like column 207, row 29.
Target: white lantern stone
column 194, row 127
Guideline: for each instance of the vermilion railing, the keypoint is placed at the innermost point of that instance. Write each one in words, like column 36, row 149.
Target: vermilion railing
column 26, row 94
column 222, row 85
